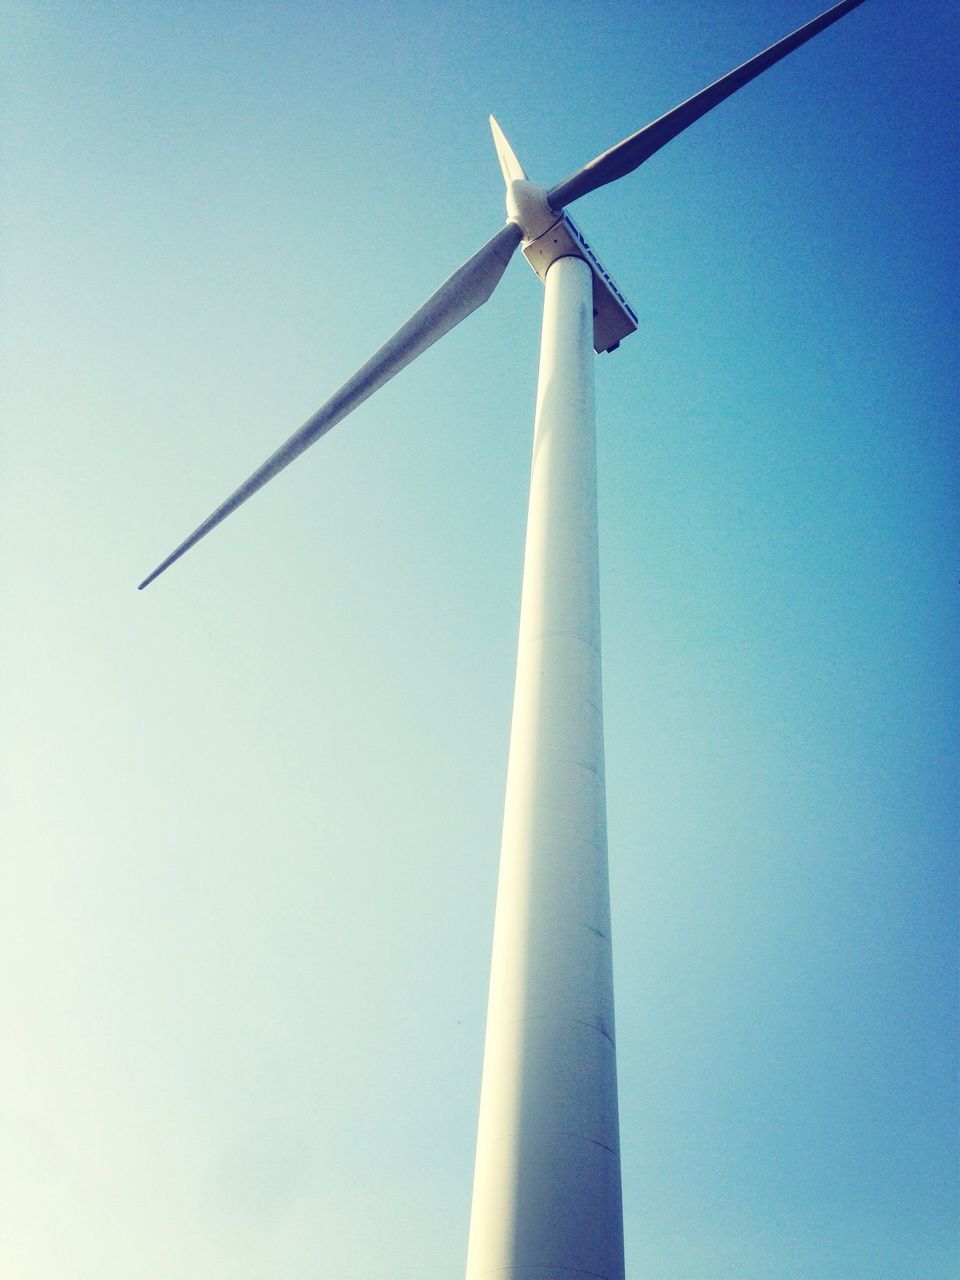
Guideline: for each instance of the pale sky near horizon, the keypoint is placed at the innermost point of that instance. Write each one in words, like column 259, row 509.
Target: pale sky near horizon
column 251, row 816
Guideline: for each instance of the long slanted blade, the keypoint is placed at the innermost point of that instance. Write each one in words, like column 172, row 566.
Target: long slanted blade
column 631, row 152
column 468, row 288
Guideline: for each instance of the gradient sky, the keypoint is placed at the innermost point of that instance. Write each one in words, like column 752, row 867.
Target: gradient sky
column 251, row 816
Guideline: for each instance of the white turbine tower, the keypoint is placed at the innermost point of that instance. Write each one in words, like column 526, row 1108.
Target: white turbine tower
column 546, row 1198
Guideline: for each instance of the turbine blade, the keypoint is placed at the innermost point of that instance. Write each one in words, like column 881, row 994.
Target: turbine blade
column 510, row 166
column 631, row 152
column 466, row 290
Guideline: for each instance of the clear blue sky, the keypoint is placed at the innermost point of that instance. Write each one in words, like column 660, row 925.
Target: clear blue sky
column 251, row 816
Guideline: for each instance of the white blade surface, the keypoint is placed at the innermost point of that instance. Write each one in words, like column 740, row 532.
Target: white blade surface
column 467, row 289
column 510, row 166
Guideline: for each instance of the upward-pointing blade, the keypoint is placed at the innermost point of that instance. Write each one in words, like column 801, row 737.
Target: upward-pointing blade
column 510, row 166
column 631, row 152
column 468, row 288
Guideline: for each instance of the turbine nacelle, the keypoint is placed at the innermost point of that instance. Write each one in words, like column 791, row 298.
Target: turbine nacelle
column 613, row 317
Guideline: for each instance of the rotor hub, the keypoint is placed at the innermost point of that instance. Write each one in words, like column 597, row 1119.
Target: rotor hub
column 528, row 207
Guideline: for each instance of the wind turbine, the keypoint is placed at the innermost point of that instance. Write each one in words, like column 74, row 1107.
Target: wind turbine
column 547, row 1194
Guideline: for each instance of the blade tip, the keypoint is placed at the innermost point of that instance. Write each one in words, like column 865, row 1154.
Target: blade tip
column 151, row 576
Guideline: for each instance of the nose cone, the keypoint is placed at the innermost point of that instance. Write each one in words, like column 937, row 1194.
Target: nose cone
column 528, row 207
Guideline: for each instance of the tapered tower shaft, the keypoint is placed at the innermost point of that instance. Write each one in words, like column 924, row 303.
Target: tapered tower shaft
column 547, row 1198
